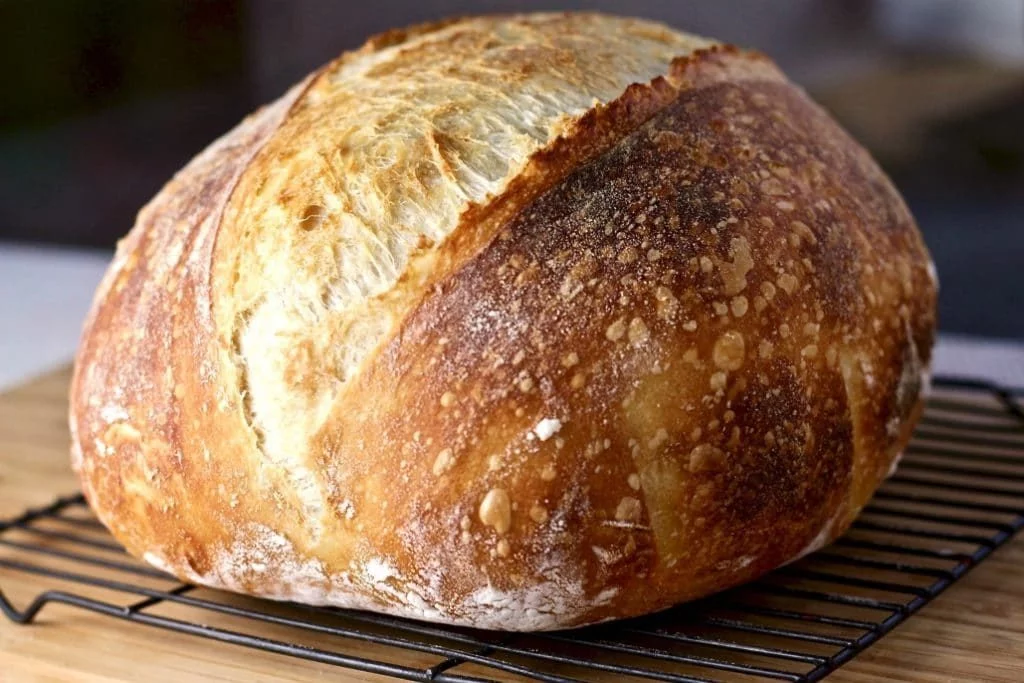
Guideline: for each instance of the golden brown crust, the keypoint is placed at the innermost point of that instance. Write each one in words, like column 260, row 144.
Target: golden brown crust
column 681, row 347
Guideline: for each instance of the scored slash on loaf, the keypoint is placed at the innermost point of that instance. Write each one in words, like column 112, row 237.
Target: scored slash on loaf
column 515, row 322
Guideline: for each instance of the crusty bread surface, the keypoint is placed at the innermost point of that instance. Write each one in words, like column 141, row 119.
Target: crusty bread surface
column 514, row 322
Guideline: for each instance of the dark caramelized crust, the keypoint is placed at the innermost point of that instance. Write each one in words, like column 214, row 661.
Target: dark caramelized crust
column 682, row 347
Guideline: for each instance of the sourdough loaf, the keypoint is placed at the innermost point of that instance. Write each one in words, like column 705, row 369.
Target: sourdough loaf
column 517, row 322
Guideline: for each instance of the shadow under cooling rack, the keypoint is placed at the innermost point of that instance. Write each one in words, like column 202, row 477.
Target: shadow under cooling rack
column 957, row 496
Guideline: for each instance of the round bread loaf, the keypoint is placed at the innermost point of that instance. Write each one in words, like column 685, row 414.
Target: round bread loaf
column 518, row 322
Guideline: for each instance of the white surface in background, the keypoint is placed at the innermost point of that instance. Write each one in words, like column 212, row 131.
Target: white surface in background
column 999, row 361
column 45, row 294
column 986, row 28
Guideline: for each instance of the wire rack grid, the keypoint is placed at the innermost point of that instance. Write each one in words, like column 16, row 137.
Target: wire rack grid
column 957, row 496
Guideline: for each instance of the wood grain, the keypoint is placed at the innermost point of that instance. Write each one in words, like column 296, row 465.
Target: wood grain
column 974, row 631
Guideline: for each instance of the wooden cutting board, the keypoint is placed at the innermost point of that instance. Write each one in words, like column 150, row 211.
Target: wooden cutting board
column 973, row 632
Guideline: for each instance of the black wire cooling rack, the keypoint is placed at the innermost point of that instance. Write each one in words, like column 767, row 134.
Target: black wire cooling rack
column 958, row 495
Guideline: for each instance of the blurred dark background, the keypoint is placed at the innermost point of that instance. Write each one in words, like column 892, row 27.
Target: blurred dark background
column 104, row 99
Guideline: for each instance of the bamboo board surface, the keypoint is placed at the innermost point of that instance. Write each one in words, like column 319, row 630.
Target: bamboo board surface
column 973, row 632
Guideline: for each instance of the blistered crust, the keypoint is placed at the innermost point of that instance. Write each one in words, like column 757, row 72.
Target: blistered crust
column 681, row 346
